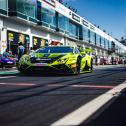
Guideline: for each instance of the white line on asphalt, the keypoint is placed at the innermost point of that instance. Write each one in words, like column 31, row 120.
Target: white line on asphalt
column 82, row 86
column 7, row 77
column 84, row 112
column 8, row 71
column 18, row 84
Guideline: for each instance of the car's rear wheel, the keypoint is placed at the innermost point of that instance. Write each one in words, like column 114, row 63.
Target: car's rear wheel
column 91, row 65
column 77, row 68
column 86, row 68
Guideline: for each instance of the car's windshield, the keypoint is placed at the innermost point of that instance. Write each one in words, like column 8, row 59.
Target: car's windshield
column 55, row 50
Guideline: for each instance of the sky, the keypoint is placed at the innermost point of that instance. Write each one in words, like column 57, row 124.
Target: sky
column 108, row 14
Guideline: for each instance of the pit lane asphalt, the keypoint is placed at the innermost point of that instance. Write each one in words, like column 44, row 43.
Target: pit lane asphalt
column 42, row 100
column 114, row 115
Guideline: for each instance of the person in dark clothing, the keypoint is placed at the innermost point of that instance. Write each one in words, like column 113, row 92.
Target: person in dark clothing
column 112, row 60
column 6, row 53
column 96, row 60
column 20, row 50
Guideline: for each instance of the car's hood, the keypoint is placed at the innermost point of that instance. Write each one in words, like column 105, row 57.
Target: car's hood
column 48, row 55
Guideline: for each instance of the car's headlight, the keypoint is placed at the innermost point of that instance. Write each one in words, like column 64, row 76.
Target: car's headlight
column 62, row 60
column 26, row 59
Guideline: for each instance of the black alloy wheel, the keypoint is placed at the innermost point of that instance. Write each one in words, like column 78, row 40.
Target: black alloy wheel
column 86, row 68
column 77, row 68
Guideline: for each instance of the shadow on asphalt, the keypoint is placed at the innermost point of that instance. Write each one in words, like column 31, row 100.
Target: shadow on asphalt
column 44, row 75
column 116, row 70
column 114, row 115
column 56, row 74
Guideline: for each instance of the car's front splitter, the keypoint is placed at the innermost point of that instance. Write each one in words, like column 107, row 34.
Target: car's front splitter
column 61, row 69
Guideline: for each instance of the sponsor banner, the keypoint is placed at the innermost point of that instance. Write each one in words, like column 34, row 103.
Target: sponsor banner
column 39, row 42
column 50, row 2
column 75, row 17
column 85, row 23
column 3, row 41
column 13, row 40
column 62, row 9
column 92, row 27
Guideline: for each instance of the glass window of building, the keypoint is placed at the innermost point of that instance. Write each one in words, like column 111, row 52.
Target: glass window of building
column 3, row 6
column 113, row 46
column 110, row 45
column 73, row 30
column 27, row 7
column 80, row 32
column 48, row 17
column 92, row 37
column 116, row 48
column 85, row 34
column 77, row 31
column 39, row 17
column 106, row 44
column 98, row 40
column 102, row 42
column 63, row 22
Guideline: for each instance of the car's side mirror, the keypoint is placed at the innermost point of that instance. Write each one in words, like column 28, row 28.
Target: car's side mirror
column 73, row 51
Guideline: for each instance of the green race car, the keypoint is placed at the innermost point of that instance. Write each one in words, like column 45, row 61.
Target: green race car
column 53, row 59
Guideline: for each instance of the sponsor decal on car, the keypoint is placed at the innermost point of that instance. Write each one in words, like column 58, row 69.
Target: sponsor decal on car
column 40, row 64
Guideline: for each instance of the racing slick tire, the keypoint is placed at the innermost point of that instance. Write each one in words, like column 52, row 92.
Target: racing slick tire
column 91, row 68
column 77, row 68
column 86, row 68
column 22, row 71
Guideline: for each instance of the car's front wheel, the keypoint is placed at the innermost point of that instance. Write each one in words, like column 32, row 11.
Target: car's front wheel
column 22, row 71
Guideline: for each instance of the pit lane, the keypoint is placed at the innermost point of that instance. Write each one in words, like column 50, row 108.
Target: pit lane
column 52, row 97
